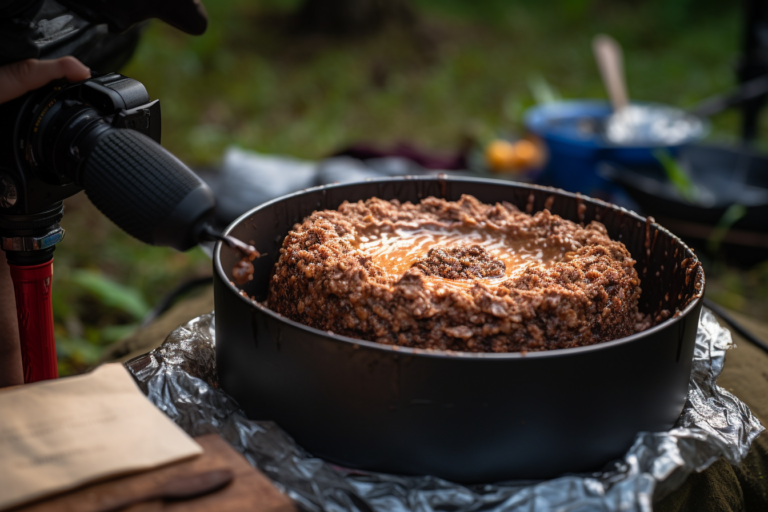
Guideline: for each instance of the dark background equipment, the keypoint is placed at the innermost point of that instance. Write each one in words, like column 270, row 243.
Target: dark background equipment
column 102, row 34
column 726, row 175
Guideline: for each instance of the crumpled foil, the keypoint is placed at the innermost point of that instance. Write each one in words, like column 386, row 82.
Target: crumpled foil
column 180, row 379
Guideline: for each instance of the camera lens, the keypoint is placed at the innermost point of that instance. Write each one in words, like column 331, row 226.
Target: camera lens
column 49, row 130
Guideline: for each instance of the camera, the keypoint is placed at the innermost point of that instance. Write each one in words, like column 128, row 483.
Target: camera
column 101, row 135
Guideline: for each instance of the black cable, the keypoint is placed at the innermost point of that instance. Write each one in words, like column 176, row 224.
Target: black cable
column 735, row 325
column 751, row 90
column 205, row 233
column 167, row 301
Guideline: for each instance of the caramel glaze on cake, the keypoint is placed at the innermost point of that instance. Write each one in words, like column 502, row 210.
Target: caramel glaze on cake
column 462, row 276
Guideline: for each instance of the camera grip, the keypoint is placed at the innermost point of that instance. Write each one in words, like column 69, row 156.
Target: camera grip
column 145, row 190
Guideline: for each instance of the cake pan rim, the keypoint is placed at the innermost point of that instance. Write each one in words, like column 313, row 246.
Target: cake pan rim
column 396, row 349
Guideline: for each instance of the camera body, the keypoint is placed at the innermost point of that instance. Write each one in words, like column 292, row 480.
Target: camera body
column 45, row 135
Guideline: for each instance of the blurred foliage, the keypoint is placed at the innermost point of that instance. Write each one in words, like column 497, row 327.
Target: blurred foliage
column 251, row 81
column 677, row 176
column 739, row 289
column 110, row 294
column 468, row 67
column 105, row 282
column 730, row 217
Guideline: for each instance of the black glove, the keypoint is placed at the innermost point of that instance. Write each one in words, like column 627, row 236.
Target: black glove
column 186, row 15
column 100, row 33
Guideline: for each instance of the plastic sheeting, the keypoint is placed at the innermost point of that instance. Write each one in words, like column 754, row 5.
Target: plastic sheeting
column 248, row 178
column 180, row 379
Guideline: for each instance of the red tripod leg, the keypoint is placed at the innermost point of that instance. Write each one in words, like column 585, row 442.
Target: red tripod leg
column 32, row 286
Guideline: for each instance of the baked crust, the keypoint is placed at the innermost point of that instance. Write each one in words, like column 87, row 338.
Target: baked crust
column 587, row 294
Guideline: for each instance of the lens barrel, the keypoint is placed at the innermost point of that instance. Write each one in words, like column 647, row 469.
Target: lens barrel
column 146, row 190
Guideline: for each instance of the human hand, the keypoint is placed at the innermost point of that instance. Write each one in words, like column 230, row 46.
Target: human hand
column 27, row 75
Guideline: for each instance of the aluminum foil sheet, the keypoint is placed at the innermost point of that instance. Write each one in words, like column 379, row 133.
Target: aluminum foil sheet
column 180, row 379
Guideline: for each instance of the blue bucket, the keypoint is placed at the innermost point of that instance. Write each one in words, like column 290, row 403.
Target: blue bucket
column 572, row 131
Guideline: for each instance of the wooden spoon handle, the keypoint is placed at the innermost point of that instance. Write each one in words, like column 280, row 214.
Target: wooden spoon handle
column 609, row 59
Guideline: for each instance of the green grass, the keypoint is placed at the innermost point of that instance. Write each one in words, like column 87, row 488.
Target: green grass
column 250, row 82
column 246, row 83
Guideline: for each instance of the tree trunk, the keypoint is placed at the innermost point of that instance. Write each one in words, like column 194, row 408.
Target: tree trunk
column 349, row 17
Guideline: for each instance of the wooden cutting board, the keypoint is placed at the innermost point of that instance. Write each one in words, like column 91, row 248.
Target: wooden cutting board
column 249, row 490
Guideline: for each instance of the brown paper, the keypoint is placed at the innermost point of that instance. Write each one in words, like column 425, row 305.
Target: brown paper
column 57, row 435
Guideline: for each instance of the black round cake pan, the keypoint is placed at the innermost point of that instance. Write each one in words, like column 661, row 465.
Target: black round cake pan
column 465, row 417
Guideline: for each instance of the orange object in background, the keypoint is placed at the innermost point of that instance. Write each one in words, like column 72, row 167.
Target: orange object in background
column 505, row 156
